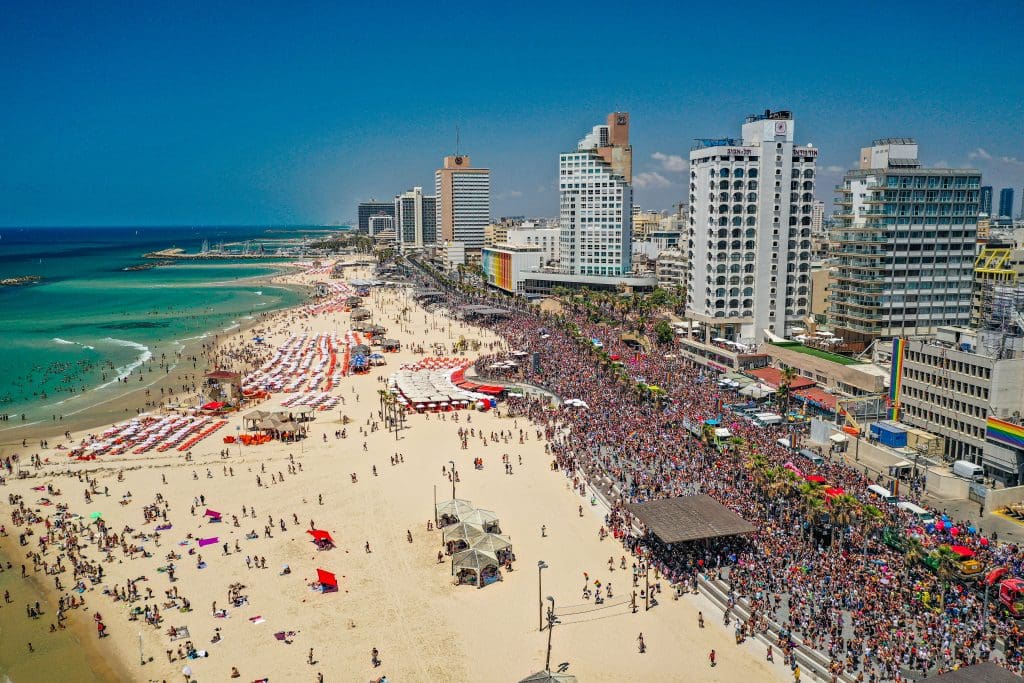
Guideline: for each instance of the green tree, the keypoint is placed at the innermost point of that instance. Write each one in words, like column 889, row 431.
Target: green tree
column 870, row 518
column 659, row 297
column 945, row 569
column 663, row 332
column 844, row 508
column 784, row 389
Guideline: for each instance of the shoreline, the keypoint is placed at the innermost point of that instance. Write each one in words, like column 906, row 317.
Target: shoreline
column 112, row 409
column 79, row 625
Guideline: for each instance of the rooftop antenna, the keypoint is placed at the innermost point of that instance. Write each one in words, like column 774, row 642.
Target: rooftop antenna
column 457, row 141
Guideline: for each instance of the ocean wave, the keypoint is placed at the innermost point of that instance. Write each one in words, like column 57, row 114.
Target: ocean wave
column 258, row 293
column 125, row 370
column 58, row 340
column 231, row 327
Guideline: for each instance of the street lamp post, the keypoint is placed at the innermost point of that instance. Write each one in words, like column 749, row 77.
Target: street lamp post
column 541, row 566
column 647, row 586
column 551, row 627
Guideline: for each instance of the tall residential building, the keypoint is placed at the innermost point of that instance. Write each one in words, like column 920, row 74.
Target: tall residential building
column 463, row 206
column 373, row 208
column 986, row 200
column 817, row 217
column 749, row 242
column 1006, row 202
column 415, row 219
column 903, row 247
column 596, row 202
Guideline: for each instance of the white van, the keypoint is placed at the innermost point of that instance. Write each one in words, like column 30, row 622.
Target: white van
column 767, row 419
column 923, row 515
column 882, row 494
column 968, row 470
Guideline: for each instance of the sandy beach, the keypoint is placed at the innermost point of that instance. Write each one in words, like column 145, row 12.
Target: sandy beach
column 394, row 595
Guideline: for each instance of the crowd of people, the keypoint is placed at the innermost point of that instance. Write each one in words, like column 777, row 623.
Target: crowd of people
column 876, row 613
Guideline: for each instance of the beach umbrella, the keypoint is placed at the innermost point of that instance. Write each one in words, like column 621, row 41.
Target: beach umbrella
column 326, row 578
column 96, row 515
column 320, row 535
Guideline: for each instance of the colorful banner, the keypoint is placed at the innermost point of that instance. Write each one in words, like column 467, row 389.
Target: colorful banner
column 497, row 266
column 896, row 377
column 1005, row 433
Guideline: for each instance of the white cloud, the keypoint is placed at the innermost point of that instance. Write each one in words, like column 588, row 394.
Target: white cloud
column 980, row 153
column 1012, row 161
column 508, row 194
column 650, row 179
column 833, row 169
column 671, row 162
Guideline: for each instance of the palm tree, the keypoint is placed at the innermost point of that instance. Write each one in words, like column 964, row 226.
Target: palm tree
column 813, row 505
column 870, row 517
column 783, row 391
column 843, row 508
column 945, row 569
column 914, row 553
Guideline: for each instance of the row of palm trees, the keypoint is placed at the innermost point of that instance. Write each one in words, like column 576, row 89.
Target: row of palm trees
column 845, row 511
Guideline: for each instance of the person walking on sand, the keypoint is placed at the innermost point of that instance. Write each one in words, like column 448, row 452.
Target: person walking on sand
column 310, row 658
column 700, row 619
column 712, row 657
column 640, row 643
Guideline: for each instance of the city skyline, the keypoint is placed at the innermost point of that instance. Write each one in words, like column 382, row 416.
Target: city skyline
column 114, row 118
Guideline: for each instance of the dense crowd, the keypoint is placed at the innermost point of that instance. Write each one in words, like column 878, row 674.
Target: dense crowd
column 876, row 613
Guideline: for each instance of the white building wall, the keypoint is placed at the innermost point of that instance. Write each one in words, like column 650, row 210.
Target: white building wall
column 750, row 231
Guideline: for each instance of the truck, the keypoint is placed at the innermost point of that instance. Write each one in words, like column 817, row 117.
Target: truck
column 968, row 470
column 967, row 567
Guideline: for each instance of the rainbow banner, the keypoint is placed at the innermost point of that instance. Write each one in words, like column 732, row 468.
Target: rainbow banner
column 1005, row 433
column 896, row 377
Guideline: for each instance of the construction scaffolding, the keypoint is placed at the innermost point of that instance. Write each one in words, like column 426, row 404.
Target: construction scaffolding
column 1000, row 309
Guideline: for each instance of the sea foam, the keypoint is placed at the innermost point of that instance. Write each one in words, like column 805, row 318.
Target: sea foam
column 144, row 355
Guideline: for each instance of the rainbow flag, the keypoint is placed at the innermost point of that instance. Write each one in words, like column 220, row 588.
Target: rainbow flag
column 896, row 377
column 1005, row 433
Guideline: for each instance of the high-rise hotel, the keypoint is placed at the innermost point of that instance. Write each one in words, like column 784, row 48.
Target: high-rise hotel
column 751, row 214
column 596, row 195
column 463, row 201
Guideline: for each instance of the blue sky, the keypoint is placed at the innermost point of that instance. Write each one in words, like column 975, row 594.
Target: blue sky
column 270, row 113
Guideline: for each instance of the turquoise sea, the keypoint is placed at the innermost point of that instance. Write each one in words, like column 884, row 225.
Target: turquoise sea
column 65, row 341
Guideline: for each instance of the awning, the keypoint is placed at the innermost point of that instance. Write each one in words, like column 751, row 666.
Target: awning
column 818, row 398
column 203, row 542
column 211, row 513
column 326, row 578
column 689, row 518
column 214, row 405
column 320, row 535
column 839, row 438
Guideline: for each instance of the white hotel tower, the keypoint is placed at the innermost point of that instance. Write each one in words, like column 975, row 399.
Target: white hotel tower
column 751, row 205
column 596, row 200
